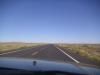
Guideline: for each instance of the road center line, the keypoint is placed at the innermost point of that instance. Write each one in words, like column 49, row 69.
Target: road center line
column 68, row 55
column 38, row 51
column 34, row 53
column 43, row 48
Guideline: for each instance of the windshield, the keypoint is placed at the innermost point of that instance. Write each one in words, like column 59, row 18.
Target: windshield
column 55, row 30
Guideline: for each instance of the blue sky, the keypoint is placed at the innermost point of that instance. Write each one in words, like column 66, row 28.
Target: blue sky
column 51, row 21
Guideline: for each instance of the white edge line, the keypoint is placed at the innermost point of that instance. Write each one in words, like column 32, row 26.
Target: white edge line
column 10, row 52
column 68, row 55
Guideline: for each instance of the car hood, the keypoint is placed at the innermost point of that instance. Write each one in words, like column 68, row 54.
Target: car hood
column 44, row 65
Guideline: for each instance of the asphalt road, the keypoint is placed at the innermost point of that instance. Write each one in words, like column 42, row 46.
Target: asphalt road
column 48, row 52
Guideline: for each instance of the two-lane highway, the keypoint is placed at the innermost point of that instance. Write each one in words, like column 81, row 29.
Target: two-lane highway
column 47, row 52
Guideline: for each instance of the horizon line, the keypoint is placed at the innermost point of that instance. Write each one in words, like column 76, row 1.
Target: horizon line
column 47, row 42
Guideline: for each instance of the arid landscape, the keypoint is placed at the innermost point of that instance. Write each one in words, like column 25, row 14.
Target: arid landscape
column 11, row 46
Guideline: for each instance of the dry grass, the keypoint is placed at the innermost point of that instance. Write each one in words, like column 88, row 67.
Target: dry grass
column 91, row 51
column 12, row 46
